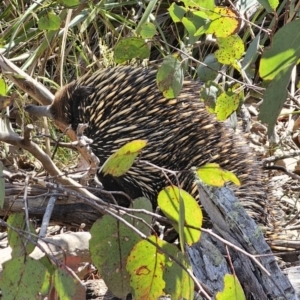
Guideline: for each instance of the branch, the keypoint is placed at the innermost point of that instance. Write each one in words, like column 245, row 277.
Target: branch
column 39, row 93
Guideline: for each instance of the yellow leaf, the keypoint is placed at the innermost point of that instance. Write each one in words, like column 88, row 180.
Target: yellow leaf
column 121, row 161
column 169, row 202
column 232, row 289
column 212, row 174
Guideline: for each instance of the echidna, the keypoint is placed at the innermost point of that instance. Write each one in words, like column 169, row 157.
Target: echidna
column 123, row 104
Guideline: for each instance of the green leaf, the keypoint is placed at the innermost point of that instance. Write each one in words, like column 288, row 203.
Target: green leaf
column 46, row 262
column 251, row 53
column 209, row 93
column 209, row 72
column 66, row 287
column 231, row 49
column 130, row 48
column 228, row 102
column 49, row 22
column 169, row 77
column 232, row 289
column 23, row 278
column 273, row 67
column 148, row 30
column 19, row 243
column 269, row 5
column 176, row 12
column 203, row 4
column 212, row 174
column 284, row 52
column 2, row 186
column 69, row 3
column 142, row 203
column 274, row 4
column 146, row 15
column 224, row 22
column 121, row 161
column 169, row 202
column 192, row 22
column 179, row 285
column 110, row 246
column 3, row 87
column 274, row 97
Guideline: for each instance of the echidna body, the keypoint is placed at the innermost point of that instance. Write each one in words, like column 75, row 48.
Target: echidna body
column 123, row 104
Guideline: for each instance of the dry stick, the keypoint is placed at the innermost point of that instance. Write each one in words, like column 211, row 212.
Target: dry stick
column 26, row 83
column 284, row 170
column 48, row 164
column 27, row 131
column 50, row 206
column 26, row 203
column 288, row 154
column 47, row 215
column 39, row 93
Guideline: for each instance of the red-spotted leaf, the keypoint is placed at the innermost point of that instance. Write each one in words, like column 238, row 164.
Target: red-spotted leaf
column 203, row 4
column 231, row 49
column 224, row 22
column 147, row 267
